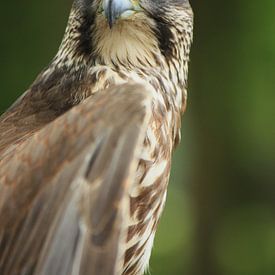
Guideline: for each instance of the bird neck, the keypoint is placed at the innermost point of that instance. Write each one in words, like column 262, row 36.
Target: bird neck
column 88, row 41
column 132, row 51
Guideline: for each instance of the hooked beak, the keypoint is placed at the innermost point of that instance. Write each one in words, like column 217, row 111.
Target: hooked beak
column 115, row 9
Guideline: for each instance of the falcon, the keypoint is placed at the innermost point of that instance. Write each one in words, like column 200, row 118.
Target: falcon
column 85, row 152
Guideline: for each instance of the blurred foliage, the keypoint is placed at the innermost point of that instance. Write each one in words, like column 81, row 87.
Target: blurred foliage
column 220, row 214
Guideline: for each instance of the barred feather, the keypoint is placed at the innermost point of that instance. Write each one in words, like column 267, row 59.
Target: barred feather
column 85, row 153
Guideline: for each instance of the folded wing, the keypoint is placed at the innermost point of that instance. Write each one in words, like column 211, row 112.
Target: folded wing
column 63, row 191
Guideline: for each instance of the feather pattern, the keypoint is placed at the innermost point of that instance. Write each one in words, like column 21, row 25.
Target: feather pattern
column 85, row 153
column 101, row 150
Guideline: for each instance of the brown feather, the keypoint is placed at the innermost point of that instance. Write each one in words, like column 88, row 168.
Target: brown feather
column 73, row 173
column 85, row 153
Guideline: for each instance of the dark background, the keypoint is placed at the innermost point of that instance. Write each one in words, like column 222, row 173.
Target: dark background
column 220, row 214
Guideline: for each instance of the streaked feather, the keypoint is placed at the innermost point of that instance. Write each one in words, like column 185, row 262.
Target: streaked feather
column 85, row 153
column 71, row 207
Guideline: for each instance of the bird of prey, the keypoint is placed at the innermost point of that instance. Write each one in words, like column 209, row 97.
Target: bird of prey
column 85, row 152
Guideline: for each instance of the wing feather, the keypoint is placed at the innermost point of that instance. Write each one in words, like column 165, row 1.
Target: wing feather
column 63, row 190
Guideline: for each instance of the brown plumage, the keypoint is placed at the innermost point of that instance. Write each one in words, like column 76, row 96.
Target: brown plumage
column 85, row 153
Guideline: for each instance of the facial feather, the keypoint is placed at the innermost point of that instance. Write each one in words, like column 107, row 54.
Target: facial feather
column 147, row 38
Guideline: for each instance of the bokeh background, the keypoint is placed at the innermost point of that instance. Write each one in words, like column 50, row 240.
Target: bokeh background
column 220, row 214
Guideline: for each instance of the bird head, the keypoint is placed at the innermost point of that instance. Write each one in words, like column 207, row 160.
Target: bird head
column 129, row 31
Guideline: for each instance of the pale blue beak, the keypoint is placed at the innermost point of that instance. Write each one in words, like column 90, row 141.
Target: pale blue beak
column 115, row 9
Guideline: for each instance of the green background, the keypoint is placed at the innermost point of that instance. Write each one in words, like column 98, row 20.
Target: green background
column 220, row 213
